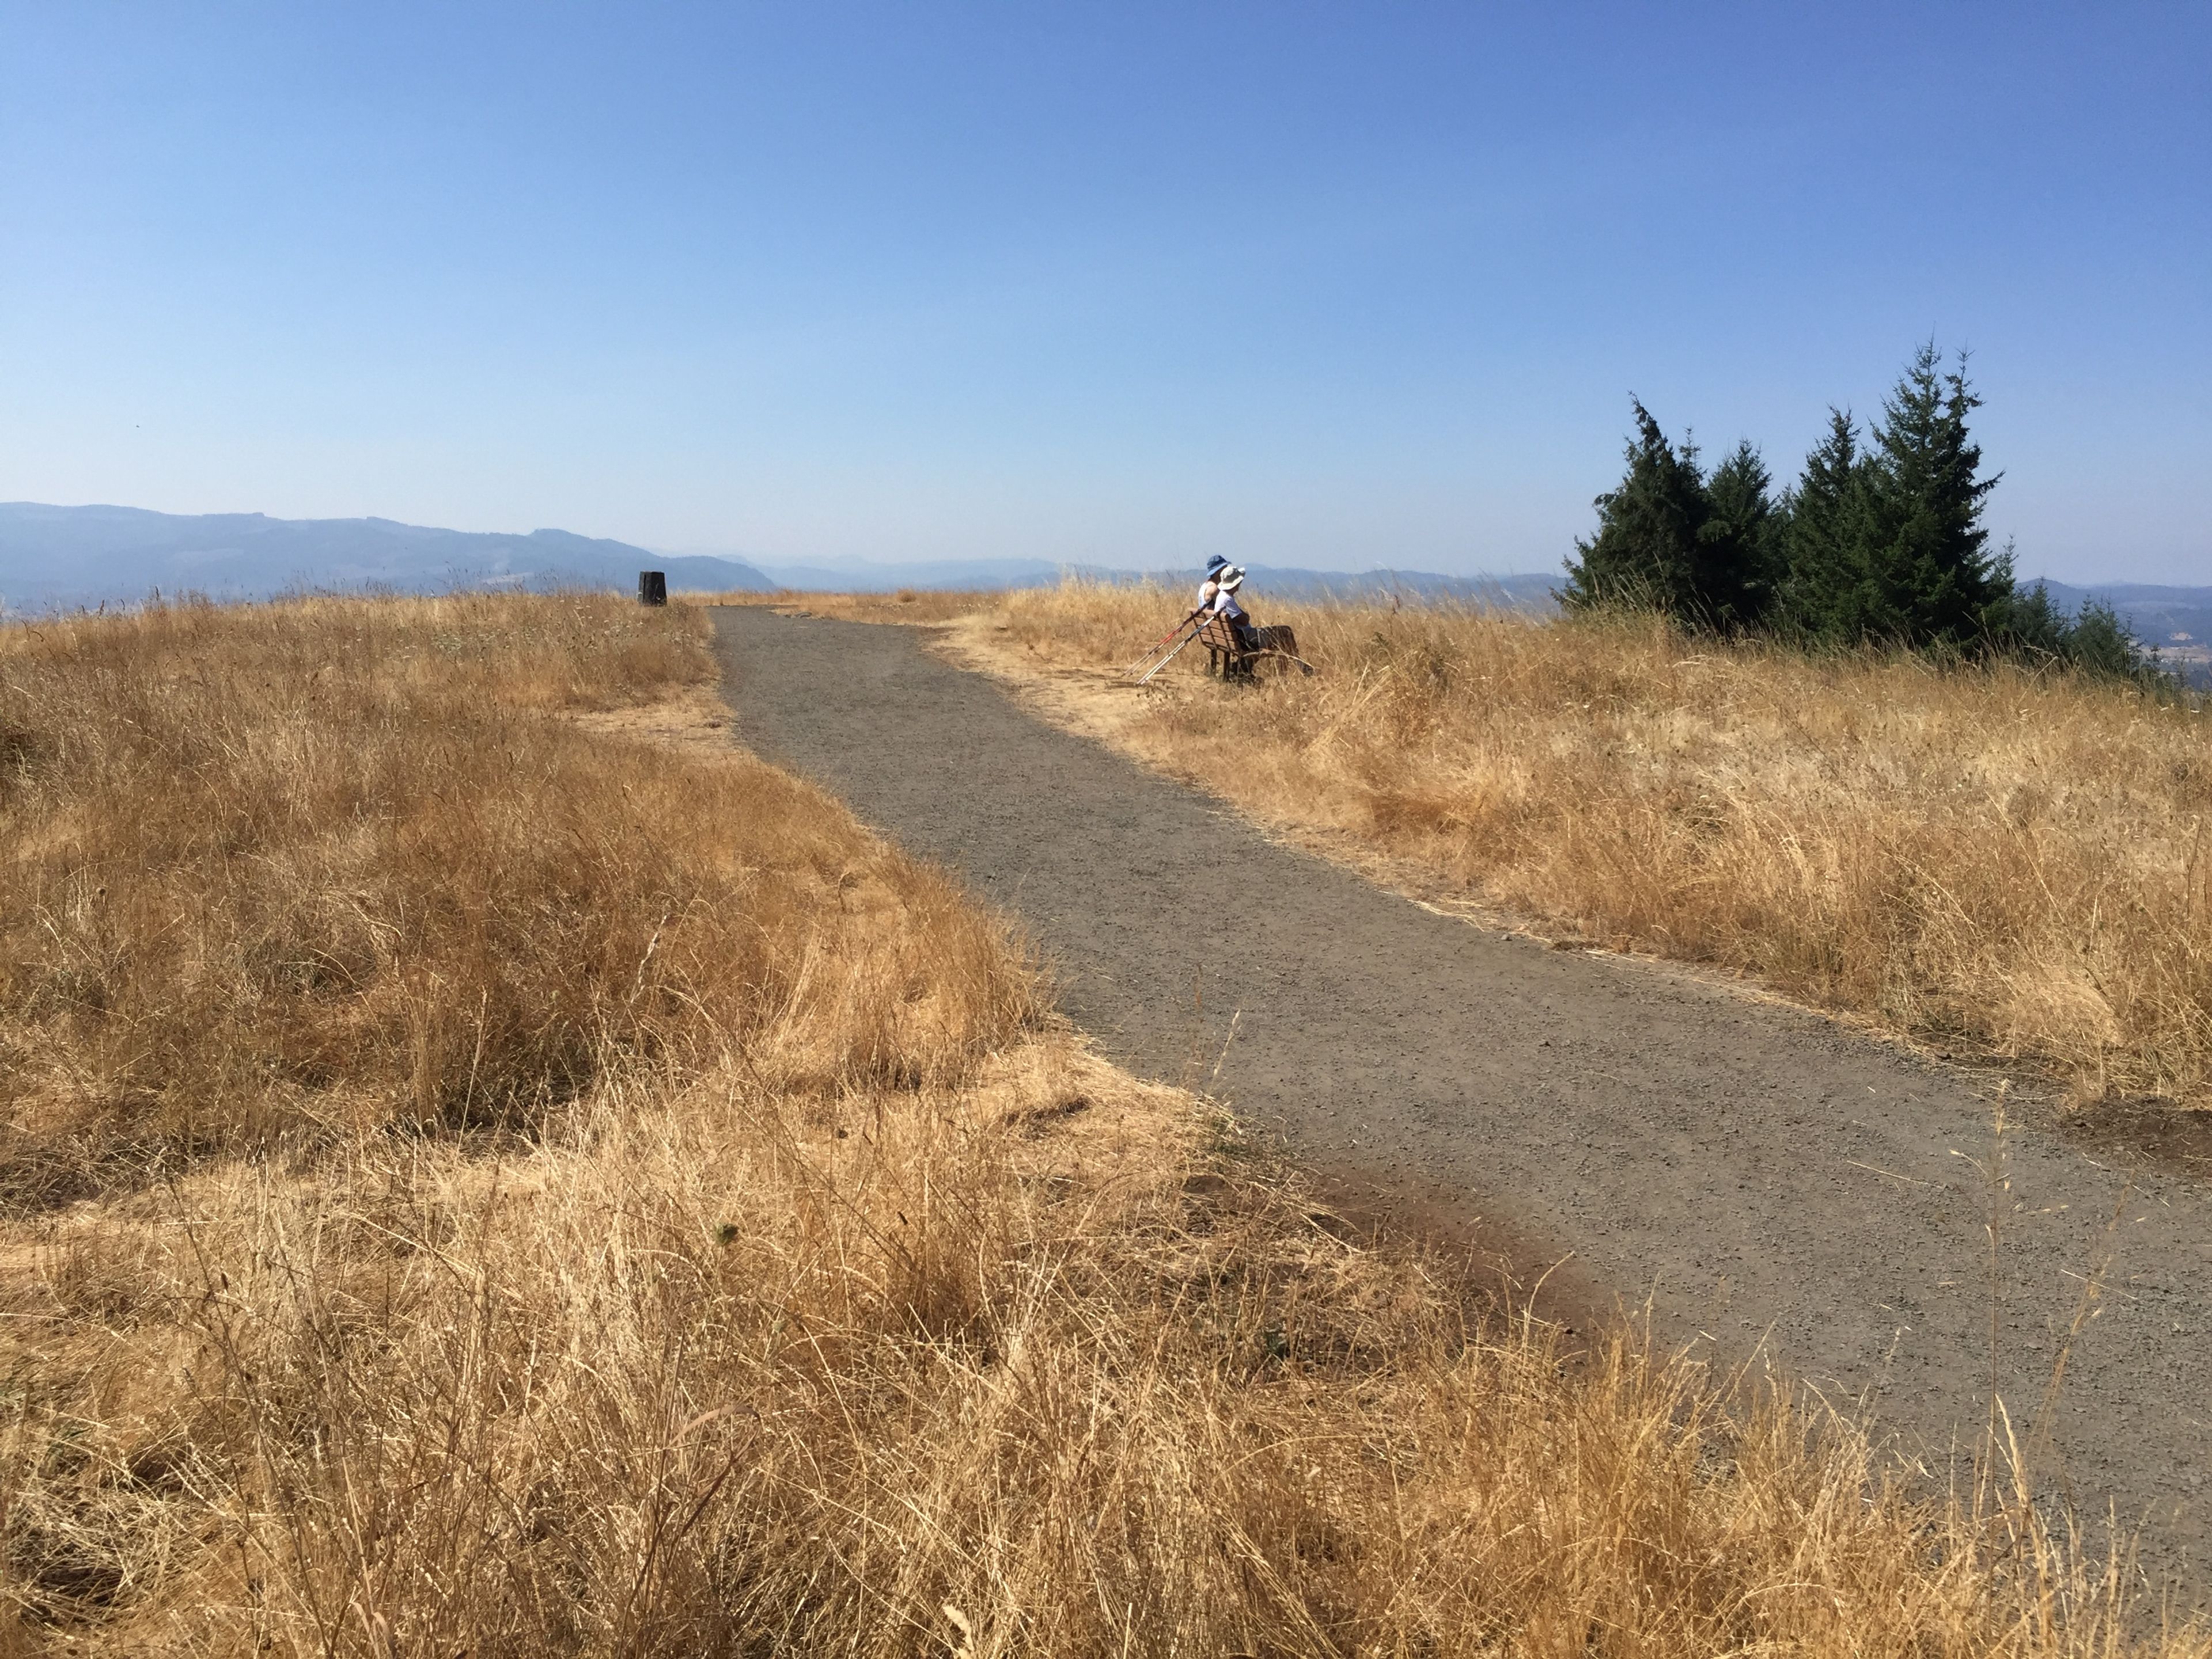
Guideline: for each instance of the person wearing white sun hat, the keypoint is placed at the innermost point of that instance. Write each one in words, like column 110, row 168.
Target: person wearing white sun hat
column 1217, row 597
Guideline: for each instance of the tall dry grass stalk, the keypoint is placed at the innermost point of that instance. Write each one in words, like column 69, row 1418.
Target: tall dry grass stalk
column 836, row 1306
column 2009, row 859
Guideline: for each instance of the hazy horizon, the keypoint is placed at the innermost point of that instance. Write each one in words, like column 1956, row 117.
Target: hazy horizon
column 2196, row 577
column 29, row 556
column 1117, row 286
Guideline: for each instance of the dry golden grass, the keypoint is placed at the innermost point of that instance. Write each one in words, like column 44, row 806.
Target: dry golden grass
column 2010, row 860
column 837, row 1303
column 332, row 862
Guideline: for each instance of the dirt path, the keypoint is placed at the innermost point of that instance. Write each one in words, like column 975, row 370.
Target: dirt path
column 1756, row 1170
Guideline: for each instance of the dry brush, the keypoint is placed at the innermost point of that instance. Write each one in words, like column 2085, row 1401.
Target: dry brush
column 479, row 1182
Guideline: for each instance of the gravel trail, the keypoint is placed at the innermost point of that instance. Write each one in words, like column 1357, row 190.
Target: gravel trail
column 1756, row 1171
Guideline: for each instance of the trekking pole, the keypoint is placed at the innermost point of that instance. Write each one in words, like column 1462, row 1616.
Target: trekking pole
column 1188, row 618
column 1144, row 678
column 1157, row 645
column 1144, row 664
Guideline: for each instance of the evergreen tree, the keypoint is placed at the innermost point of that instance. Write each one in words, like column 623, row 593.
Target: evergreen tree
column 1879, row 541
column 1659, row 544
column 2098, row 642
column 1821, row 537
column 2028, row 625
column 1742, row 541
column 1921, row 574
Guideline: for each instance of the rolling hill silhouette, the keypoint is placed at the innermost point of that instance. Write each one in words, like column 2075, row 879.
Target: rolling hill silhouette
column 77, row 556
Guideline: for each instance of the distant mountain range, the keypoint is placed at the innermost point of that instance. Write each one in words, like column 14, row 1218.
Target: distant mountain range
column 63, row 556
column 2178, row 621
column 993, row 575
column 79, row 555
column 950, row 575
column 1525, row 592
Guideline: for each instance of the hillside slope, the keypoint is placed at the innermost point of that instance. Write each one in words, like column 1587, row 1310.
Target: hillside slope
column 431, row 1226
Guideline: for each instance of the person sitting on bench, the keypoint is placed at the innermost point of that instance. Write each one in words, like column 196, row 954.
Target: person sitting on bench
column 1217, row 597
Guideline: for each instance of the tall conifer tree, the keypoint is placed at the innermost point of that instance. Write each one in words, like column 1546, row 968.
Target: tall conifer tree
column 1925, row 574
column 1740, row 542
column 1879, row 541
column 1822, row 539
column 1658, row 543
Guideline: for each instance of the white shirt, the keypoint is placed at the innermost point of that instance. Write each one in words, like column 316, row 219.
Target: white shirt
column 1217, row 600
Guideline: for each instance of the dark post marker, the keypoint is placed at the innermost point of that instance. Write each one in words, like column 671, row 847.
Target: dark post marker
column 652, row 587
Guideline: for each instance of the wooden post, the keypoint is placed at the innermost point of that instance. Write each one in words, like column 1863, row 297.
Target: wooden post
column 652, row 588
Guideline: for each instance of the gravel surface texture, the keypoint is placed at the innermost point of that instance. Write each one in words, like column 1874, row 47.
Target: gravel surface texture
column 1757, row 1173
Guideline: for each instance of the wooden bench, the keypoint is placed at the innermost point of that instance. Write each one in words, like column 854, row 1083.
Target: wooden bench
column 1235, row 658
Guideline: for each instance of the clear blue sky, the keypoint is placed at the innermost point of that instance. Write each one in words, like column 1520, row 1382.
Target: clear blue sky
column 1323, row 285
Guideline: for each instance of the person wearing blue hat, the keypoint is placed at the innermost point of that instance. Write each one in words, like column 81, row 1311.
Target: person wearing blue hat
column 1217, row 594
column 1217, row 597
column 1210, row 588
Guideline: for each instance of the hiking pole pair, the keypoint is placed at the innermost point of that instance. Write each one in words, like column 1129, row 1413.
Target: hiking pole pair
column 1144, row 678
column 1146, row 656
column 1153, row 661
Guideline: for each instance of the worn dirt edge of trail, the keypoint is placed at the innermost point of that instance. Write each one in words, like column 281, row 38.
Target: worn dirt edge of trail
column 1766, row 1179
